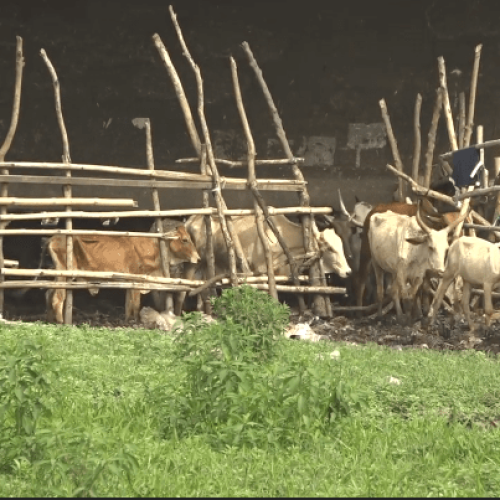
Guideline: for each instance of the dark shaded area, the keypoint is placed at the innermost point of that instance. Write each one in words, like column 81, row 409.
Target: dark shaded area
column 327, row 64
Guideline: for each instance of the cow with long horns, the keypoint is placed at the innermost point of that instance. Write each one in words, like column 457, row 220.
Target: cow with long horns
column 349, row 226
column 406, row 248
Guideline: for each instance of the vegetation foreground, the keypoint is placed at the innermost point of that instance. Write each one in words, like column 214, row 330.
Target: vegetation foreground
column 234, row 409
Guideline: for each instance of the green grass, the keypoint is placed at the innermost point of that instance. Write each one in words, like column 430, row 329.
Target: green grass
column 109, row 393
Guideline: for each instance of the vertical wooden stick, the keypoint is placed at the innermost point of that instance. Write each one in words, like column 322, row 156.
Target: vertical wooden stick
column 270, row 222
column 4, row 187
column 307, row 221
column 446, row 104
column 163, row 247
column 466, row 204
column 179, row 89
column 497, row 204
column 431, row 138
column 209, row 246
column 68, row 306
column 485, row 175
column 230, row 235
column 259, row 218
column 418, row 138
column 461, row 120
column 394, row 148
column 472, row 96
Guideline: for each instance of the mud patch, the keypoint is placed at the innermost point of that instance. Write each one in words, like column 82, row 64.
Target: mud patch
column 107, row 311
column 446, row 334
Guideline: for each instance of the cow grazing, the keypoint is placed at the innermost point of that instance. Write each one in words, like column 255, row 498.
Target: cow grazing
column 135, row 254
column 405, row 247
column 477, row 262
column 330, row 246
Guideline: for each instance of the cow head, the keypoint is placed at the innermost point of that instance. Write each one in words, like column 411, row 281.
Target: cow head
column 332, row 253
column 436, row 241
column 182, row 247
column 347, row 226
column 360, row 212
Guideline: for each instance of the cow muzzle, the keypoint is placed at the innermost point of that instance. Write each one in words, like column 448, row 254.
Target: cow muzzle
column 343, row 273
column 195, row 257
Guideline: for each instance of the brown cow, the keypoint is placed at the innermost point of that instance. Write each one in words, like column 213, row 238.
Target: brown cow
column 124, row 254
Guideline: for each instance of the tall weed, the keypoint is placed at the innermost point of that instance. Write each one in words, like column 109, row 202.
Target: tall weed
column 23, row 401
column 236, row 389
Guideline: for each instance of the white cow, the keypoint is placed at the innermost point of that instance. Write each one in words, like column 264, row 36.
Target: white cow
column 405, row 247
column 330, row 245
column 477, row 262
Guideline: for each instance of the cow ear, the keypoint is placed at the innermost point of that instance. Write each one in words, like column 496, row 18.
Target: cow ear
column 356, row 198
column 417, row 240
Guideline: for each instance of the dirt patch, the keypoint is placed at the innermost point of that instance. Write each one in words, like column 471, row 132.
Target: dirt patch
column 448, row 333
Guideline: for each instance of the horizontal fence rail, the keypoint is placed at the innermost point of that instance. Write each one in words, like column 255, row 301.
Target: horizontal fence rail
column 227, row 184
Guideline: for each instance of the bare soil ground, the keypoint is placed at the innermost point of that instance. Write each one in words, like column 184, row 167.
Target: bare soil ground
column 107, row 310
column 448, row 333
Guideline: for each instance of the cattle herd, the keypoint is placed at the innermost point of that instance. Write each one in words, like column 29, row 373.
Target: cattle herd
column 411, row 245
column 400, row 251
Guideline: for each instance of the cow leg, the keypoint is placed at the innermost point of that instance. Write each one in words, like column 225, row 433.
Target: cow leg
column 55, row 299
column 159, row 299
column 401, row 292
column 438, row 298
column 457, row 295
column 379, row 278
column 413, row 301
column 466, row 304
column 132, row 304
column 489, row 312
column 426, row 294
column 189, row 273
column 200, row 305
column 362, row 276
column 396, row 297
column 416, row 299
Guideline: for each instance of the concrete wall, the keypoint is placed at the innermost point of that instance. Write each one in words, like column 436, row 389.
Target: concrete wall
column 327, row 64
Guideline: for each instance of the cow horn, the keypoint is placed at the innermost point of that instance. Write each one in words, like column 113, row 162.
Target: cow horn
column 342, row 206
column 421, row 223
column 429, row 207
column 458, row 221
column 435, row 218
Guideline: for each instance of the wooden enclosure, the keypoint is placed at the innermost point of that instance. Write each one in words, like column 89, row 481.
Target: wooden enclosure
column 69, row 174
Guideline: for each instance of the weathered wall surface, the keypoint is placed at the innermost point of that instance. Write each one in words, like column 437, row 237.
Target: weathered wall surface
column 327, row 63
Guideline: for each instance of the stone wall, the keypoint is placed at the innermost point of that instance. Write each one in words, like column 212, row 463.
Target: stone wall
column 327, row 65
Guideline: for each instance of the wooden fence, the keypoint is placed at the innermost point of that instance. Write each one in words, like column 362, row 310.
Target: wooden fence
column 68, row 174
